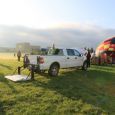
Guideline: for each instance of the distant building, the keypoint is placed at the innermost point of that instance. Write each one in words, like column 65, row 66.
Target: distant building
column 35, row 48
column 25, row 47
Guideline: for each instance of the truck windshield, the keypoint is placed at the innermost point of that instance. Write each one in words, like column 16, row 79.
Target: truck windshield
column 55, row 52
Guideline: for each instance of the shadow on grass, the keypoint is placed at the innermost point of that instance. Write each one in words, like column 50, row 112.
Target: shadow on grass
column 86, row 85
column 2, row 111
column 6, row 66
column 6, row 104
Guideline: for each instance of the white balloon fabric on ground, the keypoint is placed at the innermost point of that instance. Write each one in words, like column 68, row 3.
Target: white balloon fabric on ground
column 16, row 78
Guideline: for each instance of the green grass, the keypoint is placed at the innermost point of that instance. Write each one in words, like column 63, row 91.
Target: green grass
column 72, row 92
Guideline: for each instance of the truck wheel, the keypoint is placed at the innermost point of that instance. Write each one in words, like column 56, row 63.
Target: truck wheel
column 54, row 70
column 84, row 67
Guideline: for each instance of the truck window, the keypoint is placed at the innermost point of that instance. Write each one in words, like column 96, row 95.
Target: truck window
column 77, row 53
column 70, row 52
column 56, row 52
column 60, row 53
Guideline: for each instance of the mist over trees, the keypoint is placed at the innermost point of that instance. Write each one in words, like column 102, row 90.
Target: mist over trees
column 61, row 37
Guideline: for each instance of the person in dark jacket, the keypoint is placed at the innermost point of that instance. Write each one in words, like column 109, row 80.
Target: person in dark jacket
column 88, row 58
column 19, row 55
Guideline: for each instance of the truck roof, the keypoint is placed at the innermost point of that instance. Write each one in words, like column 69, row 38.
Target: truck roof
column 81, row 50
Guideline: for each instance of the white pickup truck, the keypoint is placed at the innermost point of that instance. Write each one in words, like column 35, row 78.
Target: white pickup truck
column 56, row 59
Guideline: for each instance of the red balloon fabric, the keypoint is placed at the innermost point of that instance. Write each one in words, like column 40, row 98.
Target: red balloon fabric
column 107, row 45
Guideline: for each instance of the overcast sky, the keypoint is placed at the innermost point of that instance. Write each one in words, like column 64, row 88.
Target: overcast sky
column 89, row 19
column 51, row 13
column 77, row 36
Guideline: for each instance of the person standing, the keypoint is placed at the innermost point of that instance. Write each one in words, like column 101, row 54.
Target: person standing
column 19, row 55
column 88, row 58
column 112, row 55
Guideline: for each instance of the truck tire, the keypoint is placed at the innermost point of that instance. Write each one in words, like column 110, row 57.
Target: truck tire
column 54, row 70
column 84, row 67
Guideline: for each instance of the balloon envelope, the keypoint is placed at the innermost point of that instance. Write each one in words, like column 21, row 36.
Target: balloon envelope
column 107, row 46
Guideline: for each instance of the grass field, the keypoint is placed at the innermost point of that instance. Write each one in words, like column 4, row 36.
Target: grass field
column 73, row 92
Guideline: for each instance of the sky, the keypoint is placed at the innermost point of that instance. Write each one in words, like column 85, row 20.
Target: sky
column 74, row 21
column 43, row 14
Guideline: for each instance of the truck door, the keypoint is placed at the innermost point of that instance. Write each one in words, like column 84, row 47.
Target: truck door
column 70, row 58
column 78, row 58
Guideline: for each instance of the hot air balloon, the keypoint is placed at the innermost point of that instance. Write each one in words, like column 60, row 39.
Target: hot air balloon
column 106, row 50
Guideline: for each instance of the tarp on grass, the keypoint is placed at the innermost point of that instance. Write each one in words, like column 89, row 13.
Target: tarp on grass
column 16, row 78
